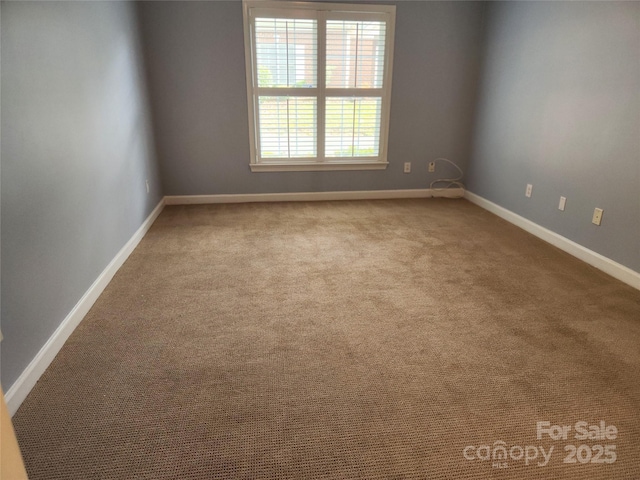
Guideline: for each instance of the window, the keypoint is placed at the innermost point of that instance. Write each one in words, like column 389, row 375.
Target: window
column 318, row 84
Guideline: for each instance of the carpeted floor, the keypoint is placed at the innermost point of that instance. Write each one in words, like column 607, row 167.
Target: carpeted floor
column 334, row 340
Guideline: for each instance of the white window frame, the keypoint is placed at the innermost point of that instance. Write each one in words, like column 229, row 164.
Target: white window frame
column 322, row 12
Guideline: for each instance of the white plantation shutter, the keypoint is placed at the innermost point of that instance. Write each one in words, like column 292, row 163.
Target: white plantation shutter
column 318, row 79
column 355, row 54
column 286, row 58
column 286, row 52
column 287, row 127
column 352, row 127
column 355, row 61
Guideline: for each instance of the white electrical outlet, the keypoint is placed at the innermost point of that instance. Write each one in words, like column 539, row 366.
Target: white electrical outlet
column 147, row 184
column 407, row 167
column 529, row 190
column 563, row 202
column 432, row 167
column 597, row 216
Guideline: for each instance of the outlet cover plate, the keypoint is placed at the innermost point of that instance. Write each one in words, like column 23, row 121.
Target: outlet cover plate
column 563, row 202
column 597, row 216
column 529, row 190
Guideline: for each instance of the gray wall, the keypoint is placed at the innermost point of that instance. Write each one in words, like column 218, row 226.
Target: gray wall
column 560, row 109
column 76, row 150
column 195, row 58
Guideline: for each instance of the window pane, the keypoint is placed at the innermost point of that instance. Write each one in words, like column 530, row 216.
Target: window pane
column 355, row 54
column 287, row 127
column 286, row 52
column 352, row 127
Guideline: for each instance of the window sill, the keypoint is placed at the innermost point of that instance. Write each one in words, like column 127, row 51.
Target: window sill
column 316, row 167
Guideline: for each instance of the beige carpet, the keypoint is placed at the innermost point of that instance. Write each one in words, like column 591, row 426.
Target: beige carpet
column 373, row 340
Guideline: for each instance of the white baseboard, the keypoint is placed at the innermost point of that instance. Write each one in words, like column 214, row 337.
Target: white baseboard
column 311, row 196
column 616, row 270
column 26, row 381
